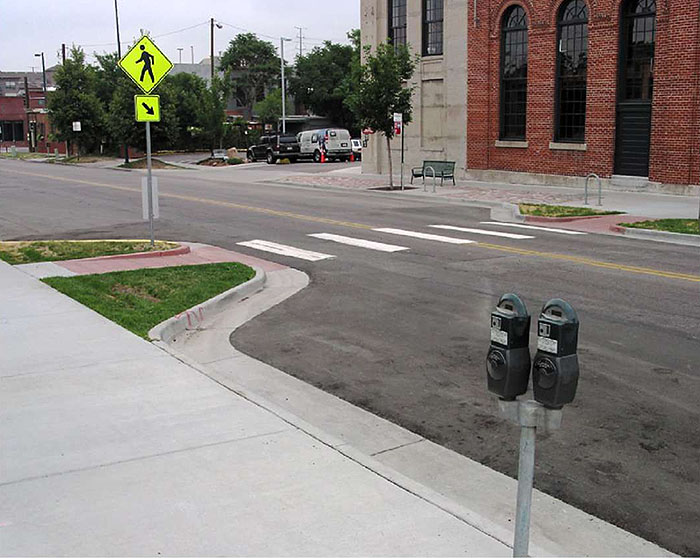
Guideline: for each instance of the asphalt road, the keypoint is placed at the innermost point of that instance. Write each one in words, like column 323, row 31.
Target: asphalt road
column 405, row 334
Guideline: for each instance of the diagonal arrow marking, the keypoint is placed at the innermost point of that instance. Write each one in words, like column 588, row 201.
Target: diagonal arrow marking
column 149, row 110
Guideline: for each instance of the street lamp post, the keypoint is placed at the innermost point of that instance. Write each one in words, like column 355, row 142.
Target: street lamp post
column 179, row 51
column 284, row 86
column 219, row 26
column 43, row 70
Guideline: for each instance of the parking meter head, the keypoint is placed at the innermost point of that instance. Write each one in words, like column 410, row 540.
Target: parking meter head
column 555, row 369
column 508, row 359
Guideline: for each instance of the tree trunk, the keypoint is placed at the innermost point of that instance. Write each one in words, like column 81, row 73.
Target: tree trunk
column 391, row 167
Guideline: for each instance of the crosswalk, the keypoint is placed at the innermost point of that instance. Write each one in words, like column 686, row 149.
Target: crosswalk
column 363, row 243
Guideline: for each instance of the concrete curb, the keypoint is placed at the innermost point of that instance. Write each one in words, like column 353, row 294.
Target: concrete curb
column 658, row 236
column 191, row 319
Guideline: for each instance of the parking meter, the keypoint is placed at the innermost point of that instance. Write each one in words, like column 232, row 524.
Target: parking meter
column 555, row 369
column 508, row 359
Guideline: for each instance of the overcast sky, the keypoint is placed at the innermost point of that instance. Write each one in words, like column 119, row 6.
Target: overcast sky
column 27, row 27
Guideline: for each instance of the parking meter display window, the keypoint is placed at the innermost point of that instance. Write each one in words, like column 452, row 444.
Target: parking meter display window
column 555, row 368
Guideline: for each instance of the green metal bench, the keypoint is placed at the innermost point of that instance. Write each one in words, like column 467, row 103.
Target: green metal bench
column 443, row 170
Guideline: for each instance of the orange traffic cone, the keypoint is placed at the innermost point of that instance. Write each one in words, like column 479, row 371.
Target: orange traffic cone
column 352, row 157
column 323, row 156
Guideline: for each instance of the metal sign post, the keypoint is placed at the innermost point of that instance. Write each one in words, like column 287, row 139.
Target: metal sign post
column 398, row 130
column 149, row 180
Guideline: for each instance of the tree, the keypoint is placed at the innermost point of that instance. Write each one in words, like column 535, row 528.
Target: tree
column 255, row 66
column 324, row 78
column 382, row 91
column 75, row 100
column 212, row 112
column 188, row 94
column 269, row 110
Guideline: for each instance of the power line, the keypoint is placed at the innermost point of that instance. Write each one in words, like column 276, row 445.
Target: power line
column 155, row 36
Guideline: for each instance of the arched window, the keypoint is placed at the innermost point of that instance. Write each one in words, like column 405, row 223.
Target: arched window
column 513, row 74
column 572, row 66
column 637, row 52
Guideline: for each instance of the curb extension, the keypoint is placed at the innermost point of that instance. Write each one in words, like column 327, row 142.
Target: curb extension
column 658, row 236
column 542, row 219
column 156, row 254
column 192, row 319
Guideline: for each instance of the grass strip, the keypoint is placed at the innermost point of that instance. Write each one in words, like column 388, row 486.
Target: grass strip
column 683, row 226
column 23, row 252
column 544, row 210
column 140, row 299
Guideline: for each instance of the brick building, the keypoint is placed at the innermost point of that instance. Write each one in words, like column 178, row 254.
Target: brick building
column 572, row 87
column 562, row 88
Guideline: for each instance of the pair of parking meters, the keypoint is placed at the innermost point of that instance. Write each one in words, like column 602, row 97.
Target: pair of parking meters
column 554, row 381
column 555, row 368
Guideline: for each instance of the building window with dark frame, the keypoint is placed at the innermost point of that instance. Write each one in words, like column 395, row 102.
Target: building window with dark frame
column 432, row 27
column 637, row 53
column 513, row 74
column 397, row 22
column 572, row 71
column 12, row 131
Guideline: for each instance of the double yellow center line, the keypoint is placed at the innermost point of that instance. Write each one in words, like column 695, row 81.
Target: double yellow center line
column 310, row 218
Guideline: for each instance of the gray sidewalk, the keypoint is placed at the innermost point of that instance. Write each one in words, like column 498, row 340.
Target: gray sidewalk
column 111, row 446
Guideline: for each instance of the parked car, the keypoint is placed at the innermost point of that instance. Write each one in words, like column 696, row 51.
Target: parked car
column 334, row 143
column 282, row 147
column 357, row 149
column 272, row 148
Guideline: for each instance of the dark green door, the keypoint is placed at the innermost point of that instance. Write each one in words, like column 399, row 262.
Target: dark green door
column 635, row 87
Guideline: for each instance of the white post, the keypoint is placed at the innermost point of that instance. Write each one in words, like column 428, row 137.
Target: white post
column 526, row 474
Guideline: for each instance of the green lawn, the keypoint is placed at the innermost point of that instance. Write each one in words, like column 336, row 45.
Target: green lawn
column 143, row 298
column 544, row 210
column 685, row 226
column 56, row 250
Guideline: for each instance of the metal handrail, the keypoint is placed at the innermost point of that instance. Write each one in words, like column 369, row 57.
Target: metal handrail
column 425, row 171
column 600, row 189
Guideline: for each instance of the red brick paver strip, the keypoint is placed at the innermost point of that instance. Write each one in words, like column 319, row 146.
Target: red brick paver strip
column 199, row 254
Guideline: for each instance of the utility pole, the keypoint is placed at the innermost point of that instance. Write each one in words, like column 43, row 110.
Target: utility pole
column 119, row 55
column 284, row 87
column 179, row 51
column 116, row 18
column 192, row 53
column 301, row 40
column 219, row 26
column 63, row 54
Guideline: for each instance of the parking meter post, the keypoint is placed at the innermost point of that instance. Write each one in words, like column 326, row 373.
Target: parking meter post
column 526, row 475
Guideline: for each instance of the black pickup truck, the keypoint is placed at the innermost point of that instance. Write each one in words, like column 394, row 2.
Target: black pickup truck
column 272, row 148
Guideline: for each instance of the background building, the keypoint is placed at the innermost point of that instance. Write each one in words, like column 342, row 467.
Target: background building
column 437, row 32
column 555, row 89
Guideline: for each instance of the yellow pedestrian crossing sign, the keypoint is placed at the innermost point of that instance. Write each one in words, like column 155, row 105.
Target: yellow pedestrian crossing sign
column 147, row 108
column 145, row 64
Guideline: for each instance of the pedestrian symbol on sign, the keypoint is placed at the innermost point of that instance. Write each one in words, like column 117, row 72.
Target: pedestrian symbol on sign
column 147, row 59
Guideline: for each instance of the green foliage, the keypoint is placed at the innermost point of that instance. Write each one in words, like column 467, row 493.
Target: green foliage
column 381, row 88
column 256, row 67
column 326, row 77
column 269, row 110
column 544, row 210
column 23, row 252
column 141, row 299
column 76, row 99
column 683, row 226
column 212, row 112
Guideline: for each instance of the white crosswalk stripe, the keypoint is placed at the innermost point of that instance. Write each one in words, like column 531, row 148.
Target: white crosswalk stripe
column 381, row 247
column 482, row 231
column 284, row 250
column 426, row 236
column 534, row 228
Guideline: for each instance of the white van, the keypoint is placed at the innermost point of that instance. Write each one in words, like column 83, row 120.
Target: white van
column 333, row 142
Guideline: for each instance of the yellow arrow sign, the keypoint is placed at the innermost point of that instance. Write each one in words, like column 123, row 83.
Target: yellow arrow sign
column 145, row 64
column 147, row 108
